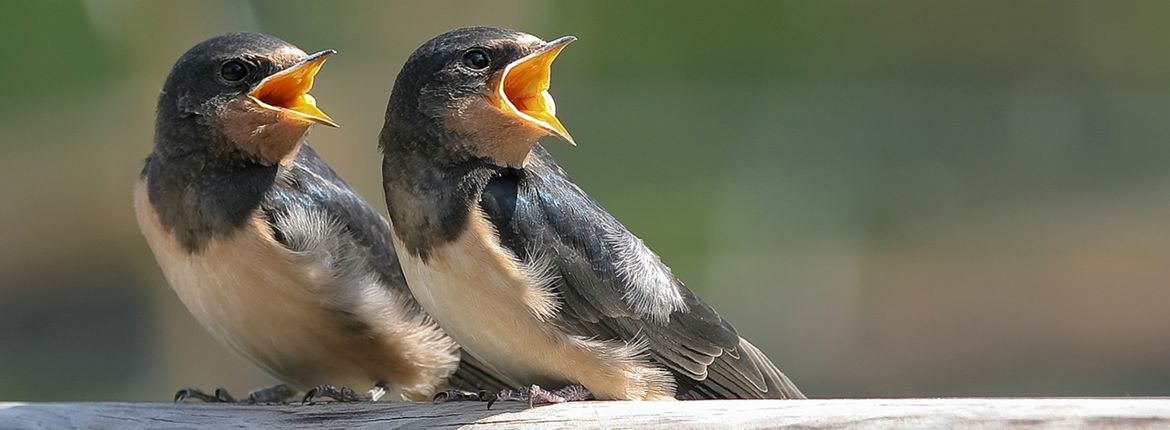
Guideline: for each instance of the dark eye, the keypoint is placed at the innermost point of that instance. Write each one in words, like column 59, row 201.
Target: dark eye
column 233, row 70
column 476, row 59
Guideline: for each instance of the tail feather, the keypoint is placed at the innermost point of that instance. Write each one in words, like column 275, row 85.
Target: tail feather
column 740, row 373
column 472, row 375
column 779, row 386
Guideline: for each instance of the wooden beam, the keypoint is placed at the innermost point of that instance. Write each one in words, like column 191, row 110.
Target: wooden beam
column 1035, row 413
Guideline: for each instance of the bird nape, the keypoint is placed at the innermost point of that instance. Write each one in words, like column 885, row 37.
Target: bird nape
column 516, row 263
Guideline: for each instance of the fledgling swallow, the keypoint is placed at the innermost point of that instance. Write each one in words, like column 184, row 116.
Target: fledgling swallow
column 266, row 246
column 518, row 264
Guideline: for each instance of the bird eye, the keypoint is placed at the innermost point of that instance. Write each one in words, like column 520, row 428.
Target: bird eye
column 476, row 59
column 233, row 70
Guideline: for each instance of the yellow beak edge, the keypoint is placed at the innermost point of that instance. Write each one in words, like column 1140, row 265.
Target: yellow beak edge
column 523, row 88
column 288, row 90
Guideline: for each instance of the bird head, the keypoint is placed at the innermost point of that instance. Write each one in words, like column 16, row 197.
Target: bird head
column 483, row 90
column 249, row 90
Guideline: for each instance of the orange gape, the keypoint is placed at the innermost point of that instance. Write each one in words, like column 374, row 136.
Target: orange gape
column 523, row 89
column 289, row 89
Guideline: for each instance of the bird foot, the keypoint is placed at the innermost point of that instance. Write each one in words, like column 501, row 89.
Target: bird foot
column 344, row 394
column 278, row 393
column 461, row 396
column 535, row 395
column 221, row 396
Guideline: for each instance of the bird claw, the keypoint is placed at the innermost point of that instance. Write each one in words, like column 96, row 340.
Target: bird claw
column 343, row 394
column 221, row 396
column 460, row 396
column 278, row 393
column 534, row 395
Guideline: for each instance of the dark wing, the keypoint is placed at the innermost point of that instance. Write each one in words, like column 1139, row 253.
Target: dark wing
column 613, row 287
column 310, row 183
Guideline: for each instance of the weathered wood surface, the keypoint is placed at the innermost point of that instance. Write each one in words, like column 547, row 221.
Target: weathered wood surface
column 1111, row 413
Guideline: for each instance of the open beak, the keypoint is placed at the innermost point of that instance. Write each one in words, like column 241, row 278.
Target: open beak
column 288, row 89
column 523, row 88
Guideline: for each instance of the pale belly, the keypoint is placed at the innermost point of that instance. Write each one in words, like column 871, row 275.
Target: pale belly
column 498, row 310
column 269, row 305
column 479, row 302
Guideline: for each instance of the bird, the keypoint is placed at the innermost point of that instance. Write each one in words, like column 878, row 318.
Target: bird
column 267, row 247
column 517, row 263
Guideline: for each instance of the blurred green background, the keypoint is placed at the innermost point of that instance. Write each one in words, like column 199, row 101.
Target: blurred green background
column 907, row 198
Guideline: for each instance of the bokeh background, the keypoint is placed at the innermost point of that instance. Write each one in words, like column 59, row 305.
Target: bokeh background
column 906, row 198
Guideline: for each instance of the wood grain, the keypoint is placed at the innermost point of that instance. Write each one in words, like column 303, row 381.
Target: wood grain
column 1034, row 413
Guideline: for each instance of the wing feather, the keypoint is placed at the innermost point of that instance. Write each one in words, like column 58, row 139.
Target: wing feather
column 310, row 183
column 613, row 287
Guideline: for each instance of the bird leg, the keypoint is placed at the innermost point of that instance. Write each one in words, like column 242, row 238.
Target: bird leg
column 344, row 394
column 460, row 396
column 278, row 393
column 535, row 395
column 221, row 396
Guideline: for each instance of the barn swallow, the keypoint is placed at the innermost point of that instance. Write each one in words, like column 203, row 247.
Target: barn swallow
column 531, row 276
column 272, row 252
